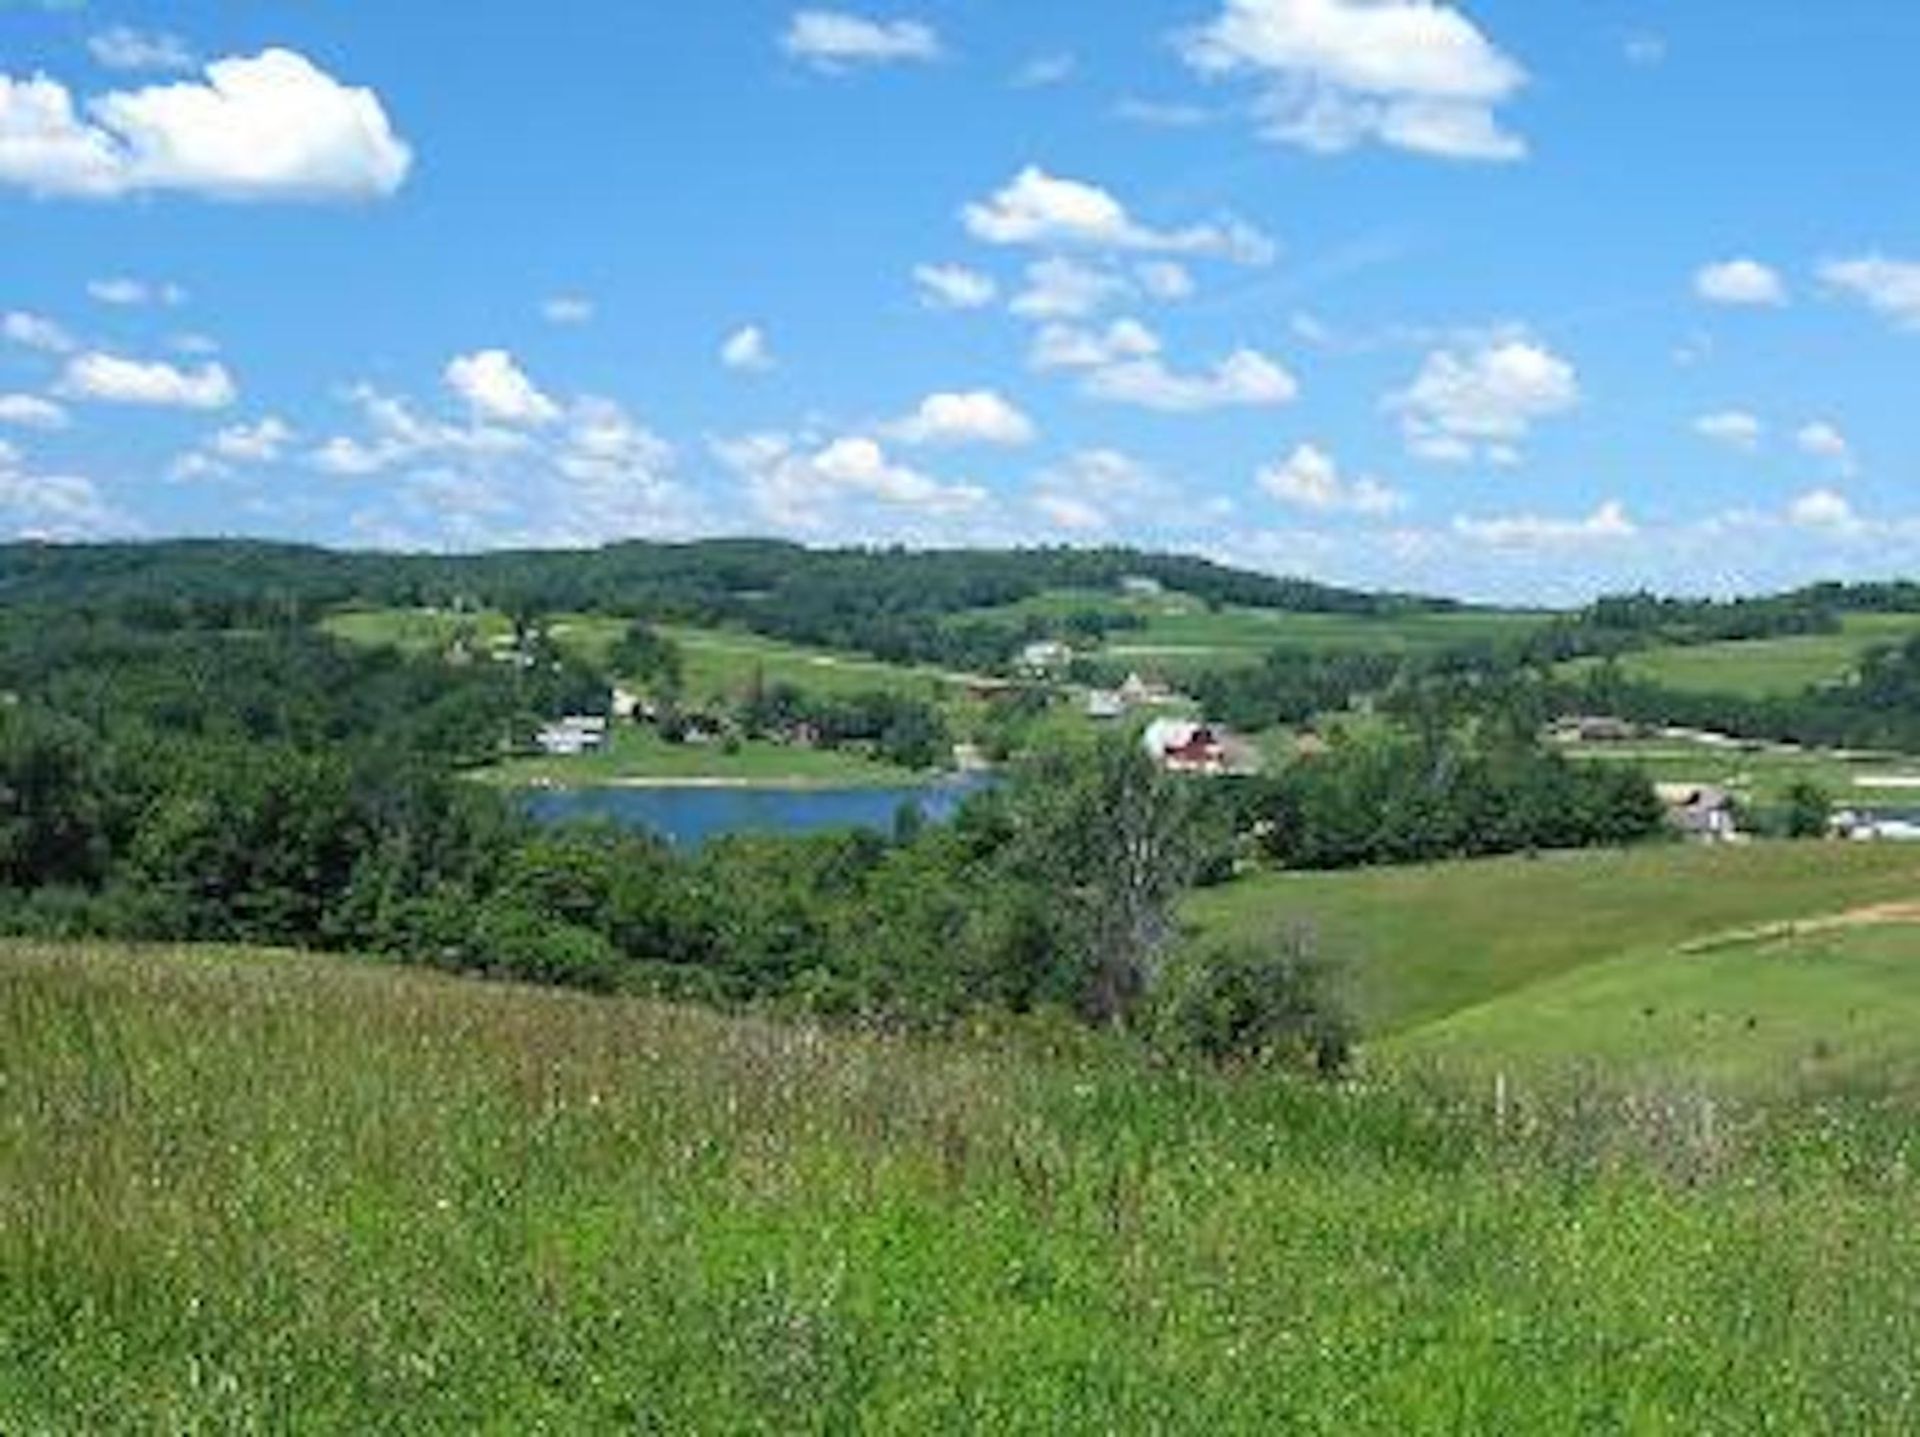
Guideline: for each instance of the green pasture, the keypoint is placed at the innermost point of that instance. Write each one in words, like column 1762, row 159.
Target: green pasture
column 1422, row 943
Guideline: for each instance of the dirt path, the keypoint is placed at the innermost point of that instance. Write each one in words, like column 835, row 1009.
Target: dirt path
column 1877, row 915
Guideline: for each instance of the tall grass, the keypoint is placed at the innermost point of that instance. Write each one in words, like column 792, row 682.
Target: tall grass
column 248, row 1191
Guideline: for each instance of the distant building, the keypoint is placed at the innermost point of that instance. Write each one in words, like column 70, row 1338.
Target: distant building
column 1188, row 746
column 991, row 690
column 1138, row 692
column 572, row 736
column 1045, row 656
column 1139, row 586
column 1701, row 812
column 1106, row 705
column 1593, row 728
column 1874, row 828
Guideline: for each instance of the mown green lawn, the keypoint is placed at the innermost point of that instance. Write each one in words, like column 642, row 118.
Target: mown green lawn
column 1424, row 942
column 265, row 1192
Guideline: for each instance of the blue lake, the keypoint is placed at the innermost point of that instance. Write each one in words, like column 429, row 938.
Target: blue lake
column 688, row 817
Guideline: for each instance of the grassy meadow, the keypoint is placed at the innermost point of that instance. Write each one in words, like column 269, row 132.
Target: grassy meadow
column 1422, row 943
column 639, row 755
column 261, row 1191
column 720, row 664
column 1767, row 668
column 1181, row 632
column 1772, row 1013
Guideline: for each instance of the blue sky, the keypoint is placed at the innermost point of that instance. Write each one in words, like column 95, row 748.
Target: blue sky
column 1506, row 300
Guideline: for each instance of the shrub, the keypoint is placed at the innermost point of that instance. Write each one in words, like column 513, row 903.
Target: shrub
column 1256, row 1005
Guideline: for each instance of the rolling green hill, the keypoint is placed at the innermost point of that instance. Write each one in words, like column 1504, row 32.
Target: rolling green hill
column 1423, row 943
column 1179, row 631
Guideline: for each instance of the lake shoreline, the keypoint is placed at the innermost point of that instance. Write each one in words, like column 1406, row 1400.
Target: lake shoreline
column 787, row 784
column 688, row 811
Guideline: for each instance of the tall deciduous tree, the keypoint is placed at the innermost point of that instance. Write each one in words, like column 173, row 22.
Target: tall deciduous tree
column 1116, row 842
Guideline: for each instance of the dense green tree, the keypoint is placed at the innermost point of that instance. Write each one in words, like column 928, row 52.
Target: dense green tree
column 1115, row 842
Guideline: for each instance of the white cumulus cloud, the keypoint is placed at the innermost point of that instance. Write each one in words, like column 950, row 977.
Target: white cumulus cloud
column 1244, row 379
column 1036, row 208
column 1309, row 478
column 261, row 442
column 1743, row 282
column 973, row 417
column 113, row 379
column 1824, row 440
column 1734, row 428
column 497, row 389
column 953, row 286
column 798, row 484
column 1417, row 75
column 30, row 411
column 1483, row 402
column 1063, row 288
column 1063, row 346
column 1094, row 489
column 33, row 331
column 836, row 41
column 1889, row 287
column 1608, row 523
column 746, row 350
column 50, row 506
column 1824, row 509
column 273, row 126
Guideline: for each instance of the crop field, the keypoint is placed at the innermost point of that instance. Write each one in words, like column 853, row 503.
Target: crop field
column 1761, row 668
column 246, row 1191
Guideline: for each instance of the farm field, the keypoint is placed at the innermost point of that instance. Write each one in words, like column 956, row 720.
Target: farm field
column 248, row 1191
column 1182, row 632
column 1763, row 668
column 724, row 664
column 1426, row 942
